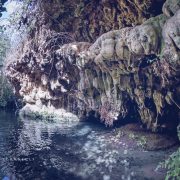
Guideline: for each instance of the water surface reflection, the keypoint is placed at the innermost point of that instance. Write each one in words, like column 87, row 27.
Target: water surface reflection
column 34, row 149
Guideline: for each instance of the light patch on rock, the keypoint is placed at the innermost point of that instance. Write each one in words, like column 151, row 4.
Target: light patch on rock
column 48, row 113
column 85, row 130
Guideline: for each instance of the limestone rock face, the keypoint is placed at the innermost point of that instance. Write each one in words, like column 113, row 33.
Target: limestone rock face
column 128, row 73
column 87, row 20
column 170, row 7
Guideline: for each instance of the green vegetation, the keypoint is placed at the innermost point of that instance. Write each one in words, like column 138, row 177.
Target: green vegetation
column 6, row 93
column 4, row 45
column 132, row 136
column 172, row 164
column 141, row 140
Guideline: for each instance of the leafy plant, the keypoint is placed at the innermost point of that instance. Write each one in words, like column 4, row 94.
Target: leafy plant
column 173, row 166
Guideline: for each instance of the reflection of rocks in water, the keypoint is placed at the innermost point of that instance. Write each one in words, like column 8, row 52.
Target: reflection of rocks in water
column 84, row 131
column 38, row 134
column 76, row 150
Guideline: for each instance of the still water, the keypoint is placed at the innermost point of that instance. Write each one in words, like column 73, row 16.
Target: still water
column 41, row 150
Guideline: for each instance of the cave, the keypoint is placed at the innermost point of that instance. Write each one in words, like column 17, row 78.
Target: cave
column 107, row 67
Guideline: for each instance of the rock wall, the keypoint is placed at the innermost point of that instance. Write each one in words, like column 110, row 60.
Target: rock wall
column 87, row 20
column 129, row 73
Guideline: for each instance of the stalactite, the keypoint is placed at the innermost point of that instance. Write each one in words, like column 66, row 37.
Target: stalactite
column 121, row 70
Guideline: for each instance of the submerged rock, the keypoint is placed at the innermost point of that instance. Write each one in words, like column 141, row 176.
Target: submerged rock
column 127, row 73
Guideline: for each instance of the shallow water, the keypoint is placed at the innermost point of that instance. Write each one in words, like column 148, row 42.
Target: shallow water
column 33, row 149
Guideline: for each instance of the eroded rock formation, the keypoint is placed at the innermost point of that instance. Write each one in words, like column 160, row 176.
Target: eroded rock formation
column 133, row 71
column 87, row 20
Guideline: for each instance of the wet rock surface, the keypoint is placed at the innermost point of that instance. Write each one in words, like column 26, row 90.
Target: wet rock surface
column 33, row 149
